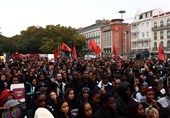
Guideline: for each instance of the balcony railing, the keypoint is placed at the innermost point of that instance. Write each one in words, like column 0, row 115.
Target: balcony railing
column 155, row 49
column 160, row 27
column 164, row 49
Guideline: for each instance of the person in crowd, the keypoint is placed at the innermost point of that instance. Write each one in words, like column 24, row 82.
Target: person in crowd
column 53, row 99
column 150, row 78
column 165, row 112
column 2, row 86
column 5, row 96
column 40, row 100
column 149, row 93
column 70, row 97
column 165, row 101
column 4, row 79
column 34, row 84
column 42, row 78
column 140, row 96
column 151, row 112
column 136, row 110
column 84, row 95
column 116, row 85
column 58, row 85
column 95, row 102
column 85, row 110
column 63, row 109
column 108, row 108
column 104, row 84
column 65, row 78
column 136, row 84
column 124, row 100
column 86, row 81
column 74, row 83
column 158, row 93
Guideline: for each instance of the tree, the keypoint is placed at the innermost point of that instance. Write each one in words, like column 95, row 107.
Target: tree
column 37, row 39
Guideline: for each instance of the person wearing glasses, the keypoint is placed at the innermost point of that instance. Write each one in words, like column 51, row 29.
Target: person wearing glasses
column 40, row 100
column 84, row 95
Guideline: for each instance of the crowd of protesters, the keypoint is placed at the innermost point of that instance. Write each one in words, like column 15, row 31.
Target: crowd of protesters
column 96, row 88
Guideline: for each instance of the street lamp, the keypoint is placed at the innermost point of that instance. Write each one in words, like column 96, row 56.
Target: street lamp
column 122, row 12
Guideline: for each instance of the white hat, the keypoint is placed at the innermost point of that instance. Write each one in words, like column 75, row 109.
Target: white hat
column 43, row 113
column 11, row 103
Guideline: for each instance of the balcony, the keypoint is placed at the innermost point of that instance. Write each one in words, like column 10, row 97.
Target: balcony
column 164, row 49
column 135, row 30
column 154, row 49
column 160, row 28
column 134, row 40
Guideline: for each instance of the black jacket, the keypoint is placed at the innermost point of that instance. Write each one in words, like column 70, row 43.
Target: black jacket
column 102, row 113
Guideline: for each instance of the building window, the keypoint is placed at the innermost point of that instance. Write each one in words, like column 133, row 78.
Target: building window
column 155, row 35
column 168, row 22
column 143, row 34
column 162, row 43
column 147, row 33
column 155, row 24
column 147, row 24
column 161, row 35
column 168, row 44
column 161, row 23
column 155, row 45
column 168, row 34
column 142, row 25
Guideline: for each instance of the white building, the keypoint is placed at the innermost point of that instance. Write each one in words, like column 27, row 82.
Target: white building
column 141, row 30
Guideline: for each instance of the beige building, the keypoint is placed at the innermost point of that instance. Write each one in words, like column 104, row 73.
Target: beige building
column 161, row 32
column 141, row 30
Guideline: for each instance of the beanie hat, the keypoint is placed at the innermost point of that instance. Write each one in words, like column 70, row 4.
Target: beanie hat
column 148, row 89
column 4, row 95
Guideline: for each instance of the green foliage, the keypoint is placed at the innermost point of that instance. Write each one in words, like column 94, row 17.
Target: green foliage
column 42, row 40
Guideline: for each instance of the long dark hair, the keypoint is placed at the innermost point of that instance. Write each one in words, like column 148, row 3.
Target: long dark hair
column 67, row 93
column 81, row 111
column 58, row 113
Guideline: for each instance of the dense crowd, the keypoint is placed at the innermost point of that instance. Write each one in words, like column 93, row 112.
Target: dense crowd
column 96, row 88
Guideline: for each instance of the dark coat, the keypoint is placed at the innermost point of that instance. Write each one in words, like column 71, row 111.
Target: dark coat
column 102, row 113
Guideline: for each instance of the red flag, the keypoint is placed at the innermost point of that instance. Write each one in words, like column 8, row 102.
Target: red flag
column 56, row 53
column 114, row 52
column 74, row 53
column 161, row 55
column 94, row 47
column 13, row 55
column 65, row 47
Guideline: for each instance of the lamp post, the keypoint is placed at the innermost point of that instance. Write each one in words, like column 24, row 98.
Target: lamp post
column 122, row 12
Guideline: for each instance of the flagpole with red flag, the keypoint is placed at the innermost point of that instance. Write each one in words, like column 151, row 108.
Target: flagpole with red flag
column 74, row 53
column 114, row 52
column 65, row 47
column 161, row 55
column 56, row 53
column 94, row 47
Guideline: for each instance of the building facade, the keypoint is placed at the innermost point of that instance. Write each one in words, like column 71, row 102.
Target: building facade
column 93, row 32
column 116, row 35
column 141, row 30
column 161, row 32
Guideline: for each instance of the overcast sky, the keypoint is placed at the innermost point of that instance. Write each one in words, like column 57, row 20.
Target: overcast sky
column 17, row 15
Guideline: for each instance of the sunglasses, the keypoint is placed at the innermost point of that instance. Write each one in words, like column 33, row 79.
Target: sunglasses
column 44, row 100
column 85, row 92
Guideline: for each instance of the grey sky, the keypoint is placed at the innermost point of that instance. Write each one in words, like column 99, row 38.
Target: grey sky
column 17, row 15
